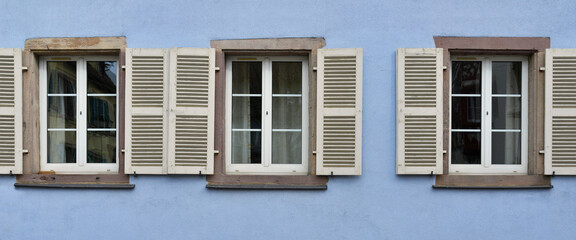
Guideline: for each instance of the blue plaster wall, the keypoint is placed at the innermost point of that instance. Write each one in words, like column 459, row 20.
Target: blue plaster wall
column 376, row 205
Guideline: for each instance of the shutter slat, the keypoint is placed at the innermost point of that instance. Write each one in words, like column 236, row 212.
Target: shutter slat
column 191, row 146
column 339, row 142
column 560, row 112
column 419, row 111
column 146, row 123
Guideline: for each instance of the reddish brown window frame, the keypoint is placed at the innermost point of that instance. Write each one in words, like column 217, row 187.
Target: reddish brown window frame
column 534, row 48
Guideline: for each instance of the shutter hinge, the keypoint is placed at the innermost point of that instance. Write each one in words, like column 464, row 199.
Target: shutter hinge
column 542, row 151
column 24, row 151
column 11, row 174
column 123, row 150
column 135, row 175
column 542, row 69
column 314, row 69
column 313, row 152
column 444, row 151
column 123, row 67
column 24, row 68
column 217, row 68
column 216, row 152
column 444, row 67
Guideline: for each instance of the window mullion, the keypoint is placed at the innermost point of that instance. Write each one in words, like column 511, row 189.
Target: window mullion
column 267, row 112
column 487, row 113
column 81, row 101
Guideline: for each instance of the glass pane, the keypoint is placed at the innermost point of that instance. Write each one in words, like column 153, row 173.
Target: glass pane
column 246, row 112
column 61, row 147
column 246, row 147
column 101, row 77
column 61, row 112
column 466, row 112
column 286, row 113
column 506, row 112
column 506, row 148
column 506, row 77
column 287, row 78
column 102, row 112
column 466, row 148
column 61, row 77
column 101, row 147
column 466, row 77
column 246, row 77
column 286, row 147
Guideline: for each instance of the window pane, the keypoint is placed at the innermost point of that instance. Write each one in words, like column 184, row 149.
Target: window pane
column 287, row 112
column 61, row 112
column 246, row 112
column 246, row 77
column 506, row 77
column 246, row 147
column 101, row 147
column 466, row 147
column 287, row 78
column 61, row 77
column 506, row 112
column 466, row 112
column 102, row 112
column 466, row 77
column 286, row 147
column 101, row 77
column 506, row 148
column 61, row 147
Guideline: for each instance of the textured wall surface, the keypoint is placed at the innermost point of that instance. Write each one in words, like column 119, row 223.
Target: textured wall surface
column 376, row 205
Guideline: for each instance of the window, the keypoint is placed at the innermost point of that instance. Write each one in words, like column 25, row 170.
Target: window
column 287, row 113
column 79, row 114
column 65, row 76
column 268, row 127
column 471, row 112
column 489, row 114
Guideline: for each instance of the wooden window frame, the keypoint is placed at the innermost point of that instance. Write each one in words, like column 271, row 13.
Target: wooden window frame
column 34, row 49
column 264, row 47
column 532, row 47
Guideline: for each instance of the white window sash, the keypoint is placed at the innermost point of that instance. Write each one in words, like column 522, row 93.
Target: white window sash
column 81, row 165
column 486, row 166
column 266, row 167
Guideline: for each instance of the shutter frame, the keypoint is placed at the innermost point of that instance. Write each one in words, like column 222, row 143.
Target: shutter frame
column 340, row 113
column 145, row 111
column 192, row 104
column 11, row 111
column 422, row 112
column 560, row 112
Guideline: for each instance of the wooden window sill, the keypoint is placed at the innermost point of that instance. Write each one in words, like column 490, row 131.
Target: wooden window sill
column 493, row 182
column 75, row 186
column 266, row 186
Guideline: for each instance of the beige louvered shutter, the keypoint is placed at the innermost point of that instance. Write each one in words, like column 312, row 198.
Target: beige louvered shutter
column 419, row 111
column 339, row 113
column 191, row 125
column 10, row 111
column 560, row 112
column 146, row 115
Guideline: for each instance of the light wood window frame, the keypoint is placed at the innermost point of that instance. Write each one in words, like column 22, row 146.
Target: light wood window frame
column 264, row 47
column 532, row 47
column 91, row 46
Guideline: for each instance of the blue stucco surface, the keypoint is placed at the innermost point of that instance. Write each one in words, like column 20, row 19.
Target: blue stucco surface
column 376, row 205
